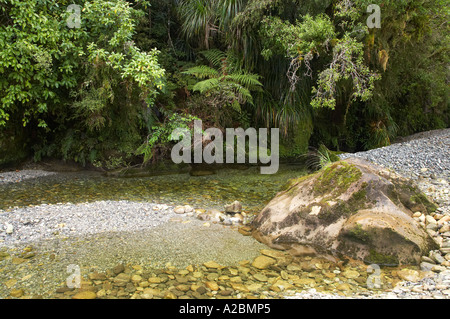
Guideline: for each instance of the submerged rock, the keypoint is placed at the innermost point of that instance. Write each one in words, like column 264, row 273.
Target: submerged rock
column 351, row 208
column 233, row 208
column 201, row 172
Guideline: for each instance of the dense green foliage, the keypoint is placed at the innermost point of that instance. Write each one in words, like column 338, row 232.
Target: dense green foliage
column 110, row 91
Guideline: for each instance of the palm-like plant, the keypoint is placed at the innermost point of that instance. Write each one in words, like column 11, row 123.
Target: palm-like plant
column 202, row 19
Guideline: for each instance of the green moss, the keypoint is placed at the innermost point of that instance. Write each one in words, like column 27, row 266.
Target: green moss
column 393, row 195
column 347, row 208
column 409, row 195
column 381, row 259
column 336, row 178
column 361, row 194
column 420, row 198
column 328, row 155
column 294, row 181
column 359, row 234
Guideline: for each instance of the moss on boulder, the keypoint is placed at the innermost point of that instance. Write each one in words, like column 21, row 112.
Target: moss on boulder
column 352, row 208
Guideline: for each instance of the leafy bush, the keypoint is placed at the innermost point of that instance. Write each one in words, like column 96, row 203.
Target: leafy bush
column 84, row 91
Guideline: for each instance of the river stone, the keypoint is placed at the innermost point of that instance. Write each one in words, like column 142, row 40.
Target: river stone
column 343, row 287
column 152, row 292
column 154, row 280
column 183, row 288
column 119, row 269
column 170, row 295
column 437, row 257
column 273, row 253
column 121, row 280
column 85, row 295
column 16, row 293
column 97, row 276
column 351, row 274
column 424, row 266
column 212, row 276
column 136, row 278
column 294, row 267
column 305, row 281
column 212, row 265
column 263, row 262
column 245, row 230
column 201, row 290
column 212, row 285
column 179, row 210
column 239, row 286
column 409, row 275
column 260, row 277
column 366, row 214
column 226, row 292
column 234, row 208
column 253, row 287
column 188, row 209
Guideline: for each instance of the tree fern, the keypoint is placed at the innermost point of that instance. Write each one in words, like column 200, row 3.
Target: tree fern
column 224, row 87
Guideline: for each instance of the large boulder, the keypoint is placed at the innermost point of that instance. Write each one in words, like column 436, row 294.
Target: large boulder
column 350, row 208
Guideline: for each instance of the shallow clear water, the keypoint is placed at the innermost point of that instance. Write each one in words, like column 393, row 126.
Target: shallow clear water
column 177, row 242
column 251, row 188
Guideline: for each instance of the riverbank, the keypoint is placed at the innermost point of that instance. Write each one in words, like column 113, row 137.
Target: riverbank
column 132, row 249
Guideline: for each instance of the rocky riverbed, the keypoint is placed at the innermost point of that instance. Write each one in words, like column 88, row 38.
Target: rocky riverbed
column 143, row 250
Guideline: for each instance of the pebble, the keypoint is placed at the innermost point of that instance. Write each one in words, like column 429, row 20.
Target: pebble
column 9, row 228
column 17, row 293
column 212, row 264
column 262, row 262
column 85, row 295
column 212, row 285
column 424, row 150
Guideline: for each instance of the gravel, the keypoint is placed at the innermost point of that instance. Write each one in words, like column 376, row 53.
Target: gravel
column 19, row 176
column 44, row 221
column 426, row 154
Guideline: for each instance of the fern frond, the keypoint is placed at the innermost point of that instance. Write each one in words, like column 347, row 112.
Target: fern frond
column 243, row 92
column 250, row 81
column 215, row 57
column 202, row 72
column 206, row 85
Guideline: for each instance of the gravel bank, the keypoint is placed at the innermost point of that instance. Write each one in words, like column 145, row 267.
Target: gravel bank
column 30, row 224
column 425, row 154
column 19, row 176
